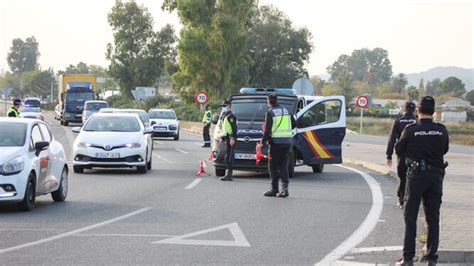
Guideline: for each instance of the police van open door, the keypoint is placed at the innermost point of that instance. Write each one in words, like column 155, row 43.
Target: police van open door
column 321, row 130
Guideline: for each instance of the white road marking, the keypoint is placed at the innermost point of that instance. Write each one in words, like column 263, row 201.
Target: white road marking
column 26, row 229
column 367, row 225
column 237, row 234
column 162, row 158
column 185, row 152
column 74, row 232
column 381, row 221
column 123, row 235
column 191, row 133
column 159, row 142
column 352, row 263
column 387, row 197
column 376, row 249
column 194, row 183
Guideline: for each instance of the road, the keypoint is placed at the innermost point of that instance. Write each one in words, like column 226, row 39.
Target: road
column 167, row 216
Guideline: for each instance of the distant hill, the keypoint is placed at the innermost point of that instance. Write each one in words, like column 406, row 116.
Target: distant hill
column 465, row 74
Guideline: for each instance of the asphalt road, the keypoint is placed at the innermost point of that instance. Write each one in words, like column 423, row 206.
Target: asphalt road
column 167, row 216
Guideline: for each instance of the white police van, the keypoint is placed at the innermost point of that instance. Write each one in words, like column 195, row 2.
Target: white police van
column 317, row 139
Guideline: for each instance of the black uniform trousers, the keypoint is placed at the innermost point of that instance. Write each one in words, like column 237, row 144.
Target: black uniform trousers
column 425, row 187
column 229, row 155
column 205, row 134
column 402, row 174
column 278, row 164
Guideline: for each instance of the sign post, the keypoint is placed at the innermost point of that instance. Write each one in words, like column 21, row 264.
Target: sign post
column 6, row 92
column 362, row 102
column 202, row 98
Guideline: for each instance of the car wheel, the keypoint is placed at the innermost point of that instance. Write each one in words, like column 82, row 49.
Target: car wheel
column 66, row 123
column 220, row 172
column 176, row 137
column 318, row 168
column 78, row 169
column 61, row 194
column 28, row 201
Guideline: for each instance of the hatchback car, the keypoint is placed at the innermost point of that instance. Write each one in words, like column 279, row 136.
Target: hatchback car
column 110, row 140
column 31, row 112
column 164, row 122
column 92, row 107
column 32, row 163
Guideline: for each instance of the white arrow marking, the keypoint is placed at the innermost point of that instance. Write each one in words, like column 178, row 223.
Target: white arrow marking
column 237, row 234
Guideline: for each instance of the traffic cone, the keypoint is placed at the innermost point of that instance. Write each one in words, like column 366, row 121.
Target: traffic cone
column 259, row 155
column 211, row 157
column 201, row 169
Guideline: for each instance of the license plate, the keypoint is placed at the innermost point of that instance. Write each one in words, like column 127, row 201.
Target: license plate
column 245, row 156
column 160, row 128
column 107, row 155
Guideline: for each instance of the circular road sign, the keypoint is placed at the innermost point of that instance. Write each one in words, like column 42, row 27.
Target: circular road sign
column 202, row 97
column 362, row 101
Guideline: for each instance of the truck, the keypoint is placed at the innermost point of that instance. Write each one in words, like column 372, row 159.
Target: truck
column 73, row 91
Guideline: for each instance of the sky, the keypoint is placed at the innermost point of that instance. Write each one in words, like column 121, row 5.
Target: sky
column 418, row 34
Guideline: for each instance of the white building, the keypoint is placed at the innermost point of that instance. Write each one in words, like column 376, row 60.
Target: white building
column 454, row 110
column 142, row 93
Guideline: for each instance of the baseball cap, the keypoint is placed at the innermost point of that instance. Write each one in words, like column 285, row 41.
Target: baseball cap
column 16, row 101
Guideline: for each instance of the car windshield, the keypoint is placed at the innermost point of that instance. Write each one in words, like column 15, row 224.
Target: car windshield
column 31, row 110
column 12, row 134
column 112, row 124
column 79, row 96
column 96, row 106
column 32, row 103
column 255, row 109
column 162, row 115
column 141, row 114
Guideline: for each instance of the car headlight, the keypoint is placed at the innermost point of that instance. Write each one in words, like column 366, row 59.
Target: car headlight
column 83, row 145
column 172, row 127
column 13, row 166
column 133, row 145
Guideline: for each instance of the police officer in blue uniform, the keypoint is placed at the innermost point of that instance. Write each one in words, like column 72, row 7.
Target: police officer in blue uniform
column 279, row 137
column 397, row 129
column 424, row 145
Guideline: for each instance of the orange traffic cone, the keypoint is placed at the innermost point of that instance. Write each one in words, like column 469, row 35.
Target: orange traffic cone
column 211, row 157
column 201, row 169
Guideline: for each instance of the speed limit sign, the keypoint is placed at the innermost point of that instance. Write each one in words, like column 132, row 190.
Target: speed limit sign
column 362, row 101
column 202, row 97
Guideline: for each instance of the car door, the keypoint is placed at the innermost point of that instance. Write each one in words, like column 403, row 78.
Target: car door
column 54, row 168
column 43, row 161
column 321, row 130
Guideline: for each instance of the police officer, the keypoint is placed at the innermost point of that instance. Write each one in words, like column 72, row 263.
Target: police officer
column 229, row 136
column 278, row 135
column 423, row 145
column 13, row 111
column 397, row 129
column 206, row 123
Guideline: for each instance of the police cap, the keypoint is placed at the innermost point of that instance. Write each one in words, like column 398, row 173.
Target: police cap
column 272, row 98
column 225, row 103
column 16, row 102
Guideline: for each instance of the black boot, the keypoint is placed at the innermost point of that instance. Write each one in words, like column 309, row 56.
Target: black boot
column 283, row 194
column 227, row 177
column 404, row 262
column 271, row 193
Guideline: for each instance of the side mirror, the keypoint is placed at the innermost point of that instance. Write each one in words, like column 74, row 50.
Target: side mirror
column 76, row 129
column 153, row 122
column 41, row 146
column 215, row 119
column 148, row 130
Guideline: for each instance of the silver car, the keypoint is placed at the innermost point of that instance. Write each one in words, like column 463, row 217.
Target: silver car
column 92, row 107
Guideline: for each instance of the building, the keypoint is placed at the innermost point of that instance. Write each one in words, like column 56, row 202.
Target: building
column 455, row 110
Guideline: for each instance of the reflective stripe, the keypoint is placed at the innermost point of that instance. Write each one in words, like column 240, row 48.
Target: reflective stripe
column 281, row 127
column 226, row 127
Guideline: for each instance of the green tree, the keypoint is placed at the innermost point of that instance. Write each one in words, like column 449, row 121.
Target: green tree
column 421, row 88
column 212, row 46
column 318, row 84
column 345, row 85
column 138, row 54
column 372, row 66
column 452, row 85
column 279, row 51
column 432, row 87
column 399, row 82
column 469, row 96
column 23, row 55
column 413, row 93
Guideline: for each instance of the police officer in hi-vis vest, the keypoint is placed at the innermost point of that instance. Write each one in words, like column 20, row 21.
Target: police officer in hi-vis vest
column 279, row 136
column 206, row 124
column 13, row 111
column 229, row 135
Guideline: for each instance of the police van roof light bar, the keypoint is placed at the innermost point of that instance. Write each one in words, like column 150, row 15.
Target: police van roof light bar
column 268, row 90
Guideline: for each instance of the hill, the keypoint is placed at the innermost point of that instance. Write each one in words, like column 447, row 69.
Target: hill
column 465, row 74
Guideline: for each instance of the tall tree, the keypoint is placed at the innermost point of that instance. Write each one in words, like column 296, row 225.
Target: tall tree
column 279, row 51
column 138, row 54
column 421, row 88
column 212, row 46
column 452, row 85
column 469, row 96
column 432, row 87
column 399, row 82
column 413, row 93
column 23, row 55
column 37, row 83
column 318, row 85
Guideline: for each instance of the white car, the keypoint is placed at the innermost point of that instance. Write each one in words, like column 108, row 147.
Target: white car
column 57, row 112
column 32, row 163
column 110, row 140
column 164, row 122
column 92, row 107
column 31, row 112
column 141, row 114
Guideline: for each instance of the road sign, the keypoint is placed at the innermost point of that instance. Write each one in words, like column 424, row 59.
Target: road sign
column 6, row 92
column 303, row 86
column 362, row 101
column 202, row 97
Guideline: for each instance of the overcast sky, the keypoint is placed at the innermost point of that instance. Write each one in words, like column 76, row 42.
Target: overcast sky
column 418, row 34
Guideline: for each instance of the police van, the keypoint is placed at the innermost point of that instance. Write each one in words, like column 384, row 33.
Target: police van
column 317, row 139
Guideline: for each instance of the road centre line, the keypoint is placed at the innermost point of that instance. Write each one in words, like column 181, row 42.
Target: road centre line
column 162, row 158
column 73, row 232
column 124, row 235
column 194, row 183
column 184, row 152
column 367, row 226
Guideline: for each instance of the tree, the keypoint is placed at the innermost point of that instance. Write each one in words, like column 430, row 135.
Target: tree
column 372, row 66
column 23, row 55
column 432, row 87
column 421, row 88
column 469, row 96
column 212, row 46
column 413, row 93
column 451, row 85
column 37, row 83
column 318, row 84
column 138, row 54
column 83, row 68
column 278, row 50
column 399, row 82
